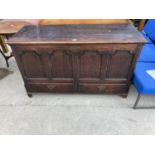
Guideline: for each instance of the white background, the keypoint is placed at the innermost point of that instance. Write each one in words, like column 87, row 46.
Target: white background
column 77, row 145
column 77, row 9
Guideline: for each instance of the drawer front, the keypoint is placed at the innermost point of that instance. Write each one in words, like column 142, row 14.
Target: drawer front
column 104, row 88
column 50, row 87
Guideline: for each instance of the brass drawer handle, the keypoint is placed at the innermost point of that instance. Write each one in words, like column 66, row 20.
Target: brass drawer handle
column 51, row 87
column 101, row 88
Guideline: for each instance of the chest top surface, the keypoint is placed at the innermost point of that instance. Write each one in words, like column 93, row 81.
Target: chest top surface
column 77, row 34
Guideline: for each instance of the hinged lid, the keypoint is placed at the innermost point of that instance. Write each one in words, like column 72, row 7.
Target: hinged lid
column 79, row 34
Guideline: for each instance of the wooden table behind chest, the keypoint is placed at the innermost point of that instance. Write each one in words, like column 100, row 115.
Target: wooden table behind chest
column 87, row 66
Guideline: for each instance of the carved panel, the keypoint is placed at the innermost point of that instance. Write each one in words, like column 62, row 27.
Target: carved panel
column 119, row 64
column 90, row 64
column 61, row 65
column 32, row 64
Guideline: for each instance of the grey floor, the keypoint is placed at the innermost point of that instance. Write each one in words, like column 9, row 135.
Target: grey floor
column 69, row 114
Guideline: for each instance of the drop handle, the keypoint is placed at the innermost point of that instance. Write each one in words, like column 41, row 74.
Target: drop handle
column 101, row 88
column 51, row 87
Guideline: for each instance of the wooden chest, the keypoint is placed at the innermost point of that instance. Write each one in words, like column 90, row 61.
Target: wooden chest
column 77, row 58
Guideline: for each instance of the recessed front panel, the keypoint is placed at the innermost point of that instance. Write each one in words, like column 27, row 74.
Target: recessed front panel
column 102, row 65
column 46, row 64
column 90, row 65
column 120, row 64
column 32, row 64
column 61, row 63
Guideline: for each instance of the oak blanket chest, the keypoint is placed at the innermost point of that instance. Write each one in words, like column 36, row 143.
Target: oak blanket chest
column 96, row 58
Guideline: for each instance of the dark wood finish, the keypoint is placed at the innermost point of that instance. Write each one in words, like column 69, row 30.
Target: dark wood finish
column 77, row 58
column 78, row 34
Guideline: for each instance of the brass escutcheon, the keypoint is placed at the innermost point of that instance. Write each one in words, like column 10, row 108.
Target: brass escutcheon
column 51, row 87
column 101, row 87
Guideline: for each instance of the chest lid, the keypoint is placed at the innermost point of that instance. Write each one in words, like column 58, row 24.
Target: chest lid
column 77, row 34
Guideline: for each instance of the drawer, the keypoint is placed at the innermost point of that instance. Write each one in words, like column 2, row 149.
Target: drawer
column 104, row 88
column 50, row 87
